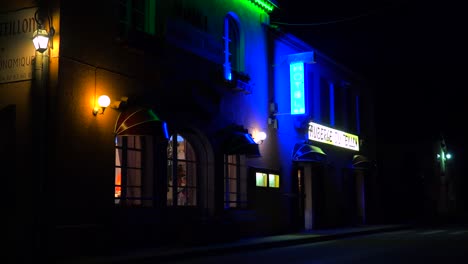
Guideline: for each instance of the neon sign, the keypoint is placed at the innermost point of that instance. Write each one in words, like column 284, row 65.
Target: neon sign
column 332, row 136
column 296, row 71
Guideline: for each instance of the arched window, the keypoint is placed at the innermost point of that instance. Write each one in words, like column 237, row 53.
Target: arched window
column 231, row 46
column 181, row 172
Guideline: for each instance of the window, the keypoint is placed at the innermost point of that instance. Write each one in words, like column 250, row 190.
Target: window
column 181, row 172
column 137, row 16
column 133, row 183
column 235, row 187
column 325, row 100
column 266, row 180
column 231, row 46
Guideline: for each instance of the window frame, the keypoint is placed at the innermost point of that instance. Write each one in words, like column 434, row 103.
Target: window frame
column 174, row 188
column 140, row 150
column 232, row 46
column 241, row 199
column 127, row 17
column 267, row 179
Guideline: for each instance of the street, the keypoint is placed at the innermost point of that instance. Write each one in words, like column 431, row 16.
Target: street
column 422, row 245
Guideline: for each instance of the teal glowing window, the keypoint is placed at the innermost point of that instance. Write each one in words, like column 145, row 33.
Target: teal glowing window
column 266, row 180
column 296, row 71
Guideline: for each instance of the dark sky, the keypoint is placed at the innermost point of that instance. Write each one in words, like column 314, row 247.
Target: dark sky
column 413, row 52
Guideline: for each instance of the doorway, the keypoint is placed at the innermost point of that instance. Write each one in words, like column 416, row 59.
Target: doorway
column 310, row 193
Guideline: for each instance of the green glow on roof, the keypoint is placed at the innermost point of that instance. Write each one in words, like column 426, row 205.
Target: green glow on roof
column 266, row 5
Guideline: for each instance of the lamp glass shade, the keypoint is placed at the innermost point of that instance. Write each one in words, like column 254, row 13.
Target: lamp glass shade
column 261, row 135
column 103, row 101
column 40, row 39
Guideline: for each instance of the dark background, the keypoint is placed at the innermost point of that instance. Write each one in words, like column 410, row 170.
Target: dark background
column 412, row 53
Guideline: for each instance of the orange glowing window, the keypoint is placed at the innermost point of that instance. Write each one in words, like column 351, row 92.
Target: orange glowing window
column 118, row 188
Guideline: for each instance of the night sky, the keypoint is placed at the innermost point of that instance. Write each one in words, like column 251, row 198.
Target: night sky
column 412, row 51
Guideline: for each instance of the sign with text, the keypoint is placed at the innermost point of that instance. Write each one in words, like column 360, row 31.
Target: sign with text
column 16, row 47
column 296, row 71
column 332, row 136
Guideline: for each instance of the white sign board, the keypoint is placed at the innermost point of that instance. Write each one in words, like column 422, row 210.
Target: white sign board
column 16, row 47
column 332, row 136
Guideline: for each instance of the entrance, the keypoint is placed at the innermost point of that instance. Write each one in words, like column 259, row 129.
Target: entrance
column 310, row 193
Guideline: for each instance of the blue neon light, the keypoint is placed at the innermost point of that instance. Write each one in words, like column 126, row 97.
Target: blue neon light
column 296, row 71
column 332, row 104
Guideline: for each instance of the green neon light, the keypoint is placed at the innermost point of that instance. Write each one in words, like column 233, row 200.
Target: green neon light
column 266, row 5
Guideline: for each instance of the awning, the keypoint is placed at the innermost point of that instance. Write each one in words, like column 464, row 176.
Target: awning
column 140, row 121
column 361, row 161
column 308, row 152
column 236, row 140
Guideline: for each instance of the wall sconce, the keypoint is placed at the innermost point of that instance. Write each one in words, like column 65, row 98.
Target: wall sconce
column 103, row 102
column 41, row 36
column 259, row 137
column 40, row 40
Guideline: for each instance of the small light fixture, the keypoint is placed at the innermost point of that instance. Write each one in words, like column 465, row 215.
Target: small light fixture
column 260, row 136
column 41, row 39
column 103, row 102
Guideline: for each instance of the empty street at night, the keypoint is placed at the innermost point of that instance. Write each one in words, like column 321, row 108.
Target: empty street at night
column 419, row 245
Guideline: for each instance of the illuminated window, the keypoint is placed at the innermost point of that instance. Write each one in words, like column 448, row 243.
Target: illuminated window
column 137, row 16
column 325, row 101
column 181, row 172
column 231, row 46
column 235, row 194
column 133, row 181
column 267, row 180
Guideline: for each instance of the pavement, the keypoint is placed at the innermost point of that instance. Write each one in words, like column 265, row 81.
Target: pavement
column 156, row 255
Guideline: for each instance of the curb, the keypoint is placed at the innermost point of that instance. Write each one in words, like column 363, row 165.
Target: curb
column 227, row 249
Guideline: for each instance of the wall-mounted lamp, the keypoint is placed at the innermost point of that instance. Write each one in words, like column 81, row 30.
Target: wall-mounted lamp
column 103, row 102
column 259, row 137
column 41, row 36
column 40, row 40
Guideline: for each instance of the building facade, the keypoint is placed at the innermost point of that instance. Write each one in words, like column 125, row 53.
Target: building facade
column 218, row 126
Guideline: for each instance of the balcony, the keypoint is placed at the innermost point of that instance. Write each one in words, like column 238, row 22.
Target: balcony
column 185, row 36
column 240, row 82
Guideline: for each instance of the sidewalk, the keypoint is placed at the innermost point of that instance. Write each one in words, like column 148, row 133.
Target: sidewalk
column 159, row 254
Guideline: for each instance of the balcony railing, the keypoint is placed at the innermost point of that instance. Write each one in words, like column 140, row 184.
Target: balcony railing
column 240, row 82
column 186, row 36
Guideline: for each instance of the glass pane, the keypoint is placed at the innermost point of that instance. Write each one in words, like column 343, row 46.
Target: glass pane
column 181, row 148
column 191, row 196
column 191, row 175
column 182, row 194
column 189, row 152
column 133, row 193
column 232, row 186
column 134, row 158
column 117, row 182
column 118, row 141
column 273, row 180
column 118, row 157
column 138, row 141
column 133, row 177
column 261, row 179
column 130, row 141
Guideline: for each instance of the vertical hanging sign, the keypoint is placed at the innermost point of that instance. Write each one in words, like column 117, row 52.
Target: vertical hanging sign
column 296, row 75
